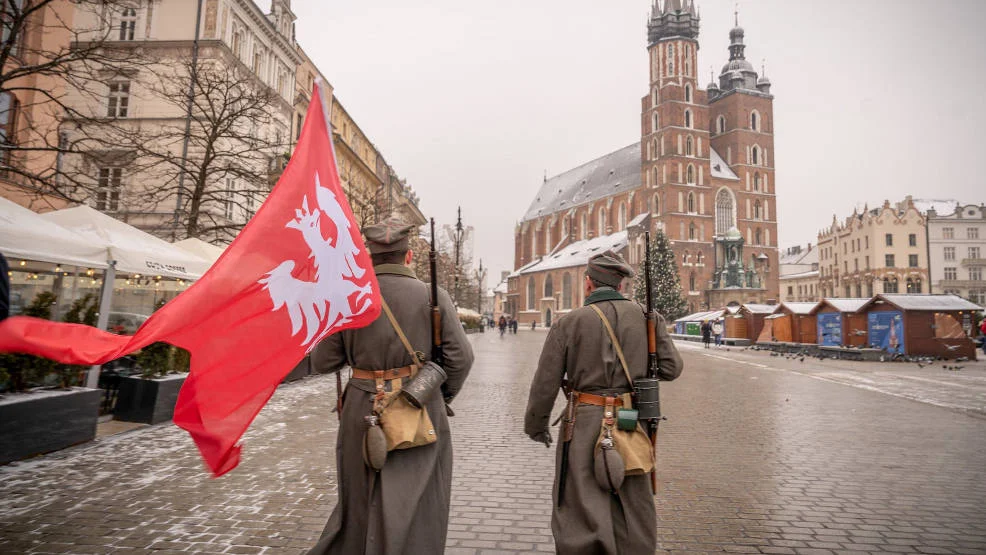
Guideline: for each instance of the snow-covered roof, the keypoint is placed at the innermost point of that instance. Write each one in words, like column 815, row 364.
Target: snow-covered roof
column 700, row 316
column 578, row 253
column 756, row 308
column 800, row 308
column 804, row 256
column 843, row 305
column 520, row 270
column 799, row 275
column 943, row 207
column 501, row 287
column 605, row 176
column 719, row 166
column 927, row 302
column 638, row 219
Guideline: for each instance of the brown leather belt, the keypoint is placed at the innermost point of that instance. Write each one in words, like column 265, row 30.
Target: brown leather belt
column 598, row 400
column 392, row 374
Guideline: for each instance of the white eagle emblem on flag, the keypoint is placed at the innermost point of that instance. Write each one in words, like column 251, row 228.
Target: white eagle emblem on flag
column 322, row 305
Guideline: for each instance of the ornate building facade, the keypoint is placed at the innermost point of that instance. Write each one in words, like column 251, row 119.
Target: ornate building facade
column 703, row 173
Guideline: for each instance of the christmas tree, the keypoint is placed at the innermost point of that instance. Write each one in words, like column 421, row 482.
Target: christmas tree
column 666, row 288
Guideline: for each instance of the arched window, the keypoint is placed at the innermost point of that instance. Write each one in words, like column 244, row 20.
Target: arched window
column 583, row 229
column 756, row 181
column 890, row 285
column 699, row 257
column 656, row 122
column 721, row 124
column 534, row 243
column 547, row 238
column 655, row 181
column 128, row 22
column 655, row 99
column 756, row 212
column 725, row 211
column 688, row 93
column 755, row 155
column 622, row 217
column 913, row 285
column 657, row 205
column 601, row 222
column 691, row 232
column 691, row 281
column 549, row 288
column 755, row 120
column 757, row 236
column 237, row 43
column 684, row 258
column 691, row 202
column 670, row 59
column 688, row 146
column 530, row 294
column 566, row 291
column 688, row 119
column 564, row 227
column 690, row 174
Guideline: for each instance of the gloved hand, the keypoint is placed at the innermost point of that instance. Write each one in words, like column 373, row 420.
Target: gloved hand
column 543, row 437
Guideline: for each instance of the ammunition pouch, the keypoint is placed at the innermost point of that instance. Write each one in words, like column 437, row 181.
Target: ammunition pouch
column 404, row 425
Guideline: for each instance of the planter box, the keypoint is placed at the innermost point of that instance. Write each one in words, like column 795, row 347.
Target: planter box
column 42, row 421
column 300, row 371
column 148, row 401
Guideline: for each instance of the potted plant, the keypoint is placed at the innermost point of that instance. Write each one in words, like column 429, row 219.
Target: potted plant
column 42, row 409
column 150, row 396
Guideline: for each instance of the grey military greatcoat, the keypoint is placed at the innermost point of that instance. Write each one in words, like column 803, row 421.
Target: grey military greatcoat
column 590, row 519
column 404, row 508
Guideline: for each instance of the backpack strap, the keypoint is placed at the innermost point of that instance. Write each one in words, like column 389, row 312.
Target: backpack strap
column 400, row 333
column 616, row 343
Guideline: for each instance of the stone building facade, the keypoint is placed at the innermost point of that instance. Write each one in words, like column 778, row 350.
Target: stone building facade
column 957, row 251
column 799, row 274
column 703, row 173
column 879, row 250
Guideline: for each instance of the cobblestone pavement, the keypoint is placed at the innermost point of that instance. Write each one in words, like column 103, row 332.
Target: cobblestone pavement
column 760, row 455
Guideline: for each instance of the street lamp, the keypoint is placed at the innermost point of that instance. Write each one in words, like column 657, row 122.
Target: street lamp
column 458, row 247
column 480, row 276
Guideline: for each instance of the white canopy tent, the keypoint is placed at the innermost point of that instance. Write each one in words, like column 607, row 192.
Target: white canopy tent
column 200, row 248
column 28, row 235
column 134, row 251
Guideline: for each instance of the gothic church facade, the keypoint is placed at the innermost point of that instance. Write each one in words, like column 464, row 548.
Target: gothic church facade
column 703, row 172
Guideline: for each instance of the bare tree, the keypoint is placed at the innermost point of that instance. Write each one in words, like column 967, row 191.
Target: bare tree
column 50, row 52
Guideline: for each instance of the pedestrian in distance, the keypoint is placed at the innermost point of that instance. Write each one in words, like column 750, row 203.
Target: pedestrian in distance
column 717, row 332
column 982, row 332
column 581, row 357
column 706, row 333
column 403, row 507
column 502, row 324
column 513, row 325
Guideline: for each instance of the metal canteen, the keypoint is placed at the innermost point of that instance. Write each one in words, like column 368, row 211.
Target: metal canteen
column 374, row 444
column 648, row 398
column 424, row 385
column 609, row 468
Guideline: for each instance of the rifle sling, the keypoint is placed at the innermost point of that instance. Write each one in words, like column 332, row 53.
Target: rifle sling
column 400, row 333
column 616, row 343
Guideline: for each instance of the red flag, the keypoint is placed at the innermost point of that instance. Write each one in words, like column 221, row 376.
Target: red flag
column 296, row 273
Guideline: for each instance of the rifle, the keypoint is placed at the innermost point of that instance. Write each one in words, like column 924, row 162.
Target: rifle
column 437, row 353
column 653, row 415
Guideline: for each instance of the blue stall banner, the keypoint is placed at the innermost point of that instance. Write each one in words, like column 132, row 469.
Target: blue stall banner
column 830, row 329
column 887, row 330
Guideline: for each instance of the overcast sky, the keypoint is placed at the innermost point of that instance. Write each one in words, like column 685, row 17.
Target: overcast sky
column 473, row 101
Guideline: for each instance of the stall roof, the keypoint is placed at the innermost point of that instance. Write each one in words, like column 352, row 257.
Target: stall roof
column 842, row 305
column 200, row 248
column 699, row 316
column 26, row 234
column 800, row 308
column 756, row 308
column 133, row 250
column 926, row 302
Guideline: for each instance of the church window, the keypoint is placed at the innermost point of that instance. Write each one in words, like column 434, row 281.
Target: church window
column 583, row 229
column 688, row 147
column 699, row 258
column 757, row 211
column 691, row 202
column 688, row 93
column 670, row 59
column 657, row 205
column 547, row 239
column 755, row 155
column 757, row 237
column 756, row 182
column 721, row 124
column 691, row 232
column 655, row 181
column 566, row 291
column 534, row 243
column 622, row 216
column 688, row 119
column 690, row 174
column 549, row 288
column 684, row 258
column 725, row 212
column 530, row 294
column 656, row 123
column 691, row 281
column 601, row 222
column 564, row 227
column 655, row 98
column 755, row 120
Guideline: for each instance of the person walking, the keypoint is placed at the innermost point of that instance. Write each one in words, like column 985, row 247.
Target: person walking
column 982, row 332
column 502, row 324
column 717, row 332
column 580, row 357
column 706, row 333
column 404, row 507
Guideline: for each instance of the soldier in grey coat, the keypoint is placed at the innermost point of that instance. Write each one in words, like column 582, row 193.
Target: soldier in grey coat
column 405, row 507
column 590, row 519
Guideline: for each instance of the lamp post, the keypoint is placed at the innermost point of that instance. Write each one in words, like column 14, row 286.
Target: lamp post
column 480, row 276
column 458, row 248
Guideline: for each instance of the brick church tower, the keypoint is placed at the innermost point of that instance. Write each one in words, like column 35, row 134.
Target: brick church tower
column 704, row 164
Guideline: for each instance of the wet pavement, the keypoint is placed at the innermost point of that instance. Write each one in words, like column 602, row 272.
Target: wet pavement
column 760, row 454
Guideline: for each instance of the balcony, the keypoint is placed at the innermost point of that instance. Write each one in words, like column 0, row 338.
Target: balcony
column 960, row 284
column 974, row 261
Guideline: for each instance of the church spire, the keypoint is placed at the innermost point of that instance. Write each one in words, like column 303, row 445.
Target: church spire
column 677, row 18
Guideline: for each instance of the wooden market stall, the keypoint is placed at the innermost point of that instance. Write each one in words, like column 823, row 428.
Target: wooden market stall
column 839, row 324
column 802, row 322
column 776, row 329
column 929, row 325
column 753, row 314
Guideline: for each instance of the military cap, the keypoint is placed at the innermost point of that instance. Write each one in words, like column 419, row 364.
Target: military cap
column 390, row 235
column 609, row 268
